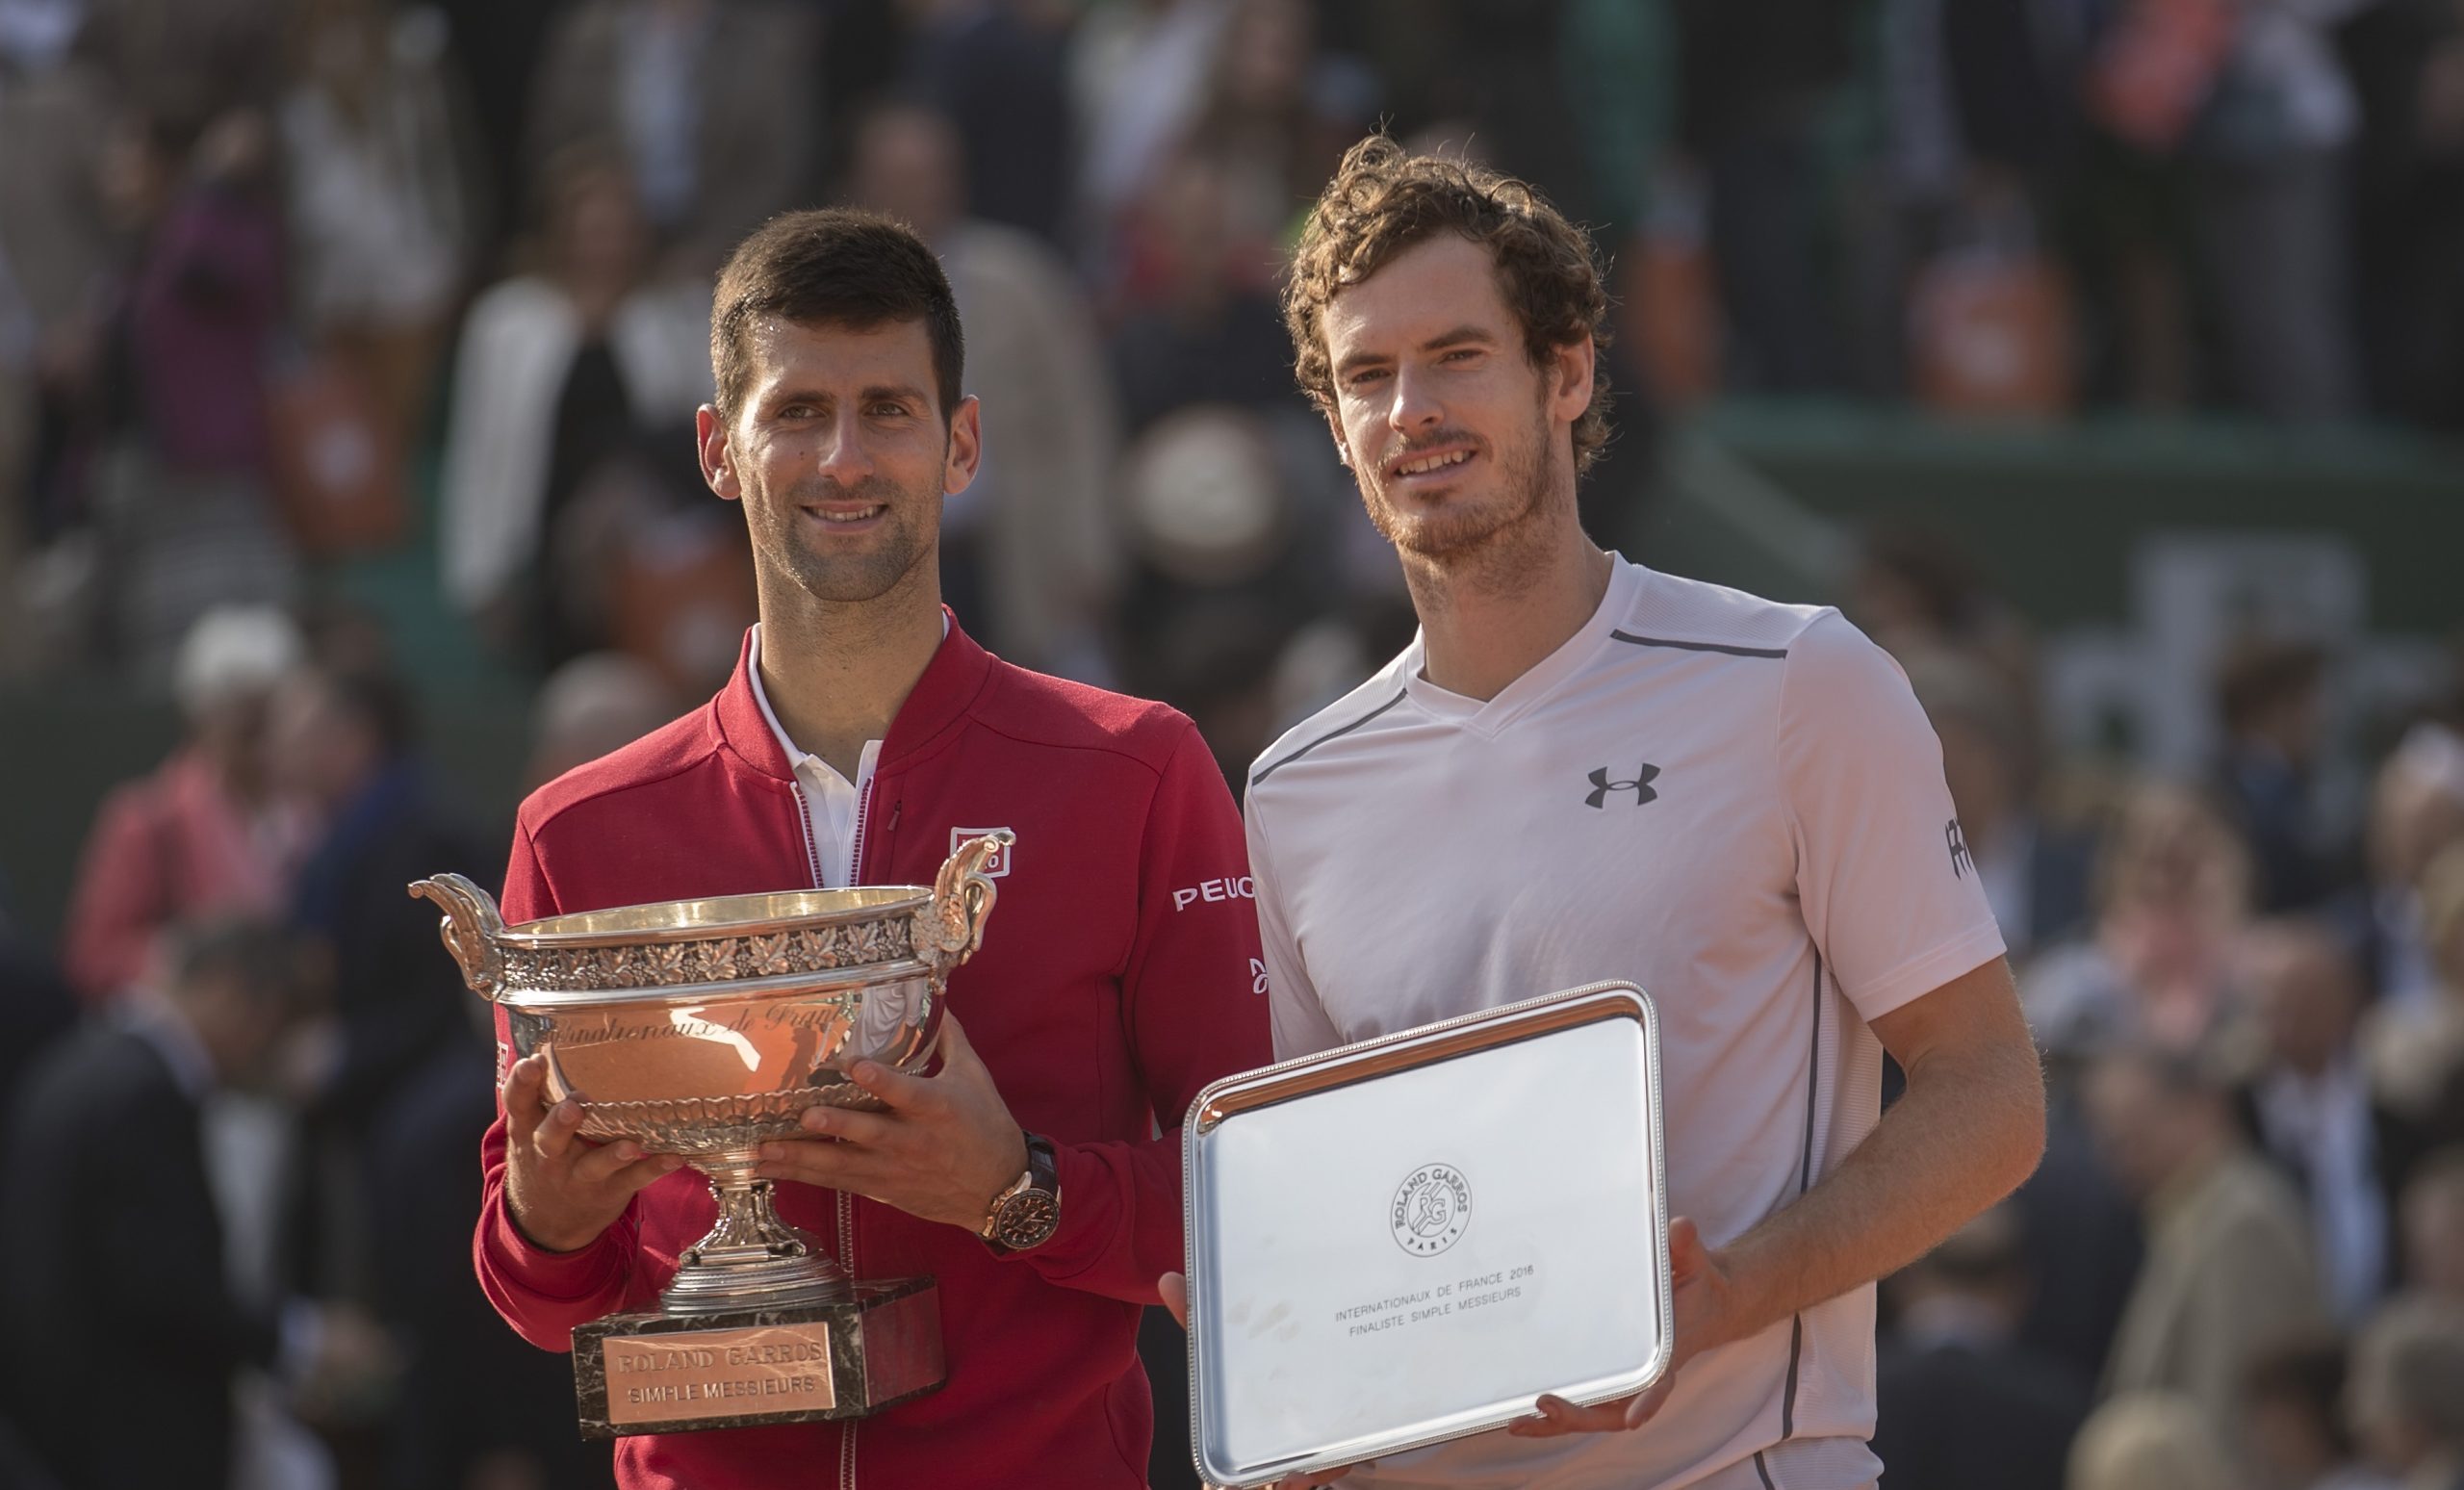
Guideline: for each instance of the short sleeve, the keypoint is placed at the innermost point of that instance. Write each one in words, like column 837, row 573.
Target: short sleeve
column 1885, row 878
column 1300, row 1023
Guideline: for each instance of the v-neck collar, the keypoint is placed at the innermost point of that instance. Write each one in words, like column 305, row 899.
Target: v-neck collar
column 1538, row 680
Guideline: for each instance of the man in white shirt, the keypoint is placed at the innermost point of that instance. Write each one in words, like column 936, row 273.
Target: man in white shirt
column 1582, row 769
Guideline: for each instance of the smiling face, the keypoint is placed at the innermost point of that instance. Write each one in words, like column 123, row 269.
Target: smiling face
column 841, row 454
column 1462, row 446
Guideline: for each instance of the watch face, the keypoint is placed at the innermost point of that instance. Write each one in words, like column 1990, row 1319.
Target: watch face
column 1028, row 1218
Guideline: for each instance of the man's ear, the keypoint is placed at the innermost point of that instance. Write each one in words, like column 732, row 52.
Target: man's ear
column 1570, row 372
column 718, row 462
column 965, row 448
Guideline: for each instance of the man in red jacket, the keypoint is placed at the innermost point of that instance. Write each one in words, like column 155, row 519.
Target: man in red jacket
column 861, row 738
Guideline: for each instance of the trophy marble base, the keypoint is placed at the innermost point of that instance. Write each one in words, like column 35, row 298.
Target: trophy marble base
column 651, row 1372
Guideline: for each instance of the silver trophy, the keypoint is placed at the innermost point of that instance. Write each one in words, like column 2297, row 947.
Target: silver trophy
column 706, row 1028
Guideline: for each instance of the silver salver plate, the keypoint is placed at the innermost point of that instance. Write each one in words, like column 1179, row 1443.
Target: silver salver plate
column 1409, row 1240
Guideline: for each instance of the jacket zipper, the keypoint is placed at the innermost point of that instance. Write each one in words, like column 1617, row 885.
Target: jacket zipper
column 846, row 1203
column 846, row 1210
column 863, row 811
column 804, row 825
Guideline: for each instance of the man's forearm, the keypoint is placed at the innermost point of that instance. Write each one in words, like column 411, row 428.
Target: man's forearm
column 1968, row 1129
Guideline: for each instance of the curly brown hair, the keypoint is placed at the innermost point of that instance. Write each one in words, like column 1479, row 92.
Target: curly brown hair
column 1384, row 200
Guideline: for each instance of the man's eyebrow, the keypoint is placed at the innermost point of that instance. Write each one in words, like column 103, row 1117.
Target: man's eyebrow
column 1457, row 336
column 874, row 394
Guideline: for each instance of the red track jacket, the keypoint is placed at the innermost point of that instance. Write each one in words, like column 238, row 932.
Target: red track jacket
column 1116, row 979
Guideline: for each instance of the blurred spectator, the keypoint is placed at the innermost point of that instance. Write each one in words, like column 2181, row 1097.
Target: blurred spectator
column 2432, row 1212
column 2308, row 1106
column 1983, row 91
column 2406, row 58
column 380, row 213
column 2268, row 192
column 1229, row 554
column 1757, row 77
column 998, row 71
column 37, row 1007
column 2298, row 1440
column 2270, row 702
column 207, row 832
column 2034, row 875
column 2414, row 1050
column 1137, row 72
column 2416, row 810
column 589, row 707
column 2406, row 1393
column 585, row 361
column 2229, row 1270
column 1960, row 1402
column 187, row 513
column 2081, row 1235
column 1571, row 97
column 2171, row 890
column 345, row 742
column 492, row 52
column 711, row 103
column 2150, row 1441
column 1914, row 588
column 112, row 1234
column 1028, row 556
column 480, row 1409
column 1259, row 124
column 56, row 245
column 187, row 63
column 1212, row 333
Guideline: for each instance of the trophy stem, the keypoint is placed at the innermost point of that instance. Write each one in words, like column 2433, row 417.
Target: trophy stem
column 751, row 1259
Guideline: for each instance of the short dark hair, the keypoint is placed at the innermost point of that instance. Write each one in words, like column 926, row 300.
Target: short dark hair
column 2258, row 672
column 1384, row 200
column 832, row 265
column 262, row 958
column 2307, row 1371
column 378, row 700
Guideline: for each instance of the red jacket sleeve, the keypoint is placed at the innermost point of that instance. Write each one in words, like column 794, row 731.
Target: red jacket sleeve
column 1190, row 997
column 120, row 899
column 542, row 1295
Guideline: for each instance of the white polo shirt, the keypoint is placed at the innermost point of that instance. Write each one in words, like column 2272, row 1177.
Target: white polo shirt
column 833, row 806
column 1738, row 806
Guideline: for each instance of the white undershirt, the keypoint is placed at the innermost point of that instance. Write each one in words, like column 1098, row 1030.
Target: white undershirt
column 833, row 806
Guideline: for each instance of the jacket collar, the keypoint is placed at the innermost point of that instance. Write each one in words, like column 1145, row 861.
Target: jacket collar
column 949, row 687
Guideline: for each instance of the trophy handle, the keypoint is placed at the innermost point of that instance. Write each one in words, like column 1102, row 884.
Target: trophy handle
column 949, row 930
column 469, row 930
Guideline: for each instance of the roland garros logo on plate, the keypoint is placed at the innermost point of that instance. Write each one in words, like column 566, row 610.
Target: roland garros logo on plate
column 1430, row 1210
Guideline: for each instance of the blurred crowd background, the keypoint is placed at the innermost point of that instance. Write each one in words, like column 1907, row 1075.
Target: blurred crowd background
column 2103, row 358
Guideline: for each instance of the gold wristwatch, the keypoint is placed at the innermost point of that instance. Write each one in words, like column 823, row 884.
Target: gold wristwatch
column 1028, row 1212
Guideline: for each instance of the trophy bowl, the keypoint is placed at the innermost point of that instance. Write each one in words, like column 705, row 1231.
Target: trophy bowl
column 704, row 1028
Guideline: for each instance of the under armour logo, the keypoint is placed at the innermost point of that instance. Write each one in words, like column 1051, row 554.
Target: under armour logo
column 1962, row 863
column 1640, row 785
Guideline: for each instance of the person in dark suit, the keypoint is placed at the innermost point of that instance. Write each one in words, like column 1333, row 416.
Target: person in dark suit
column 112, row 1274
column 2306, row 1104
column 345, row 738
column 36, row 1006
column 2270, row 697
column 1961, row 1402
